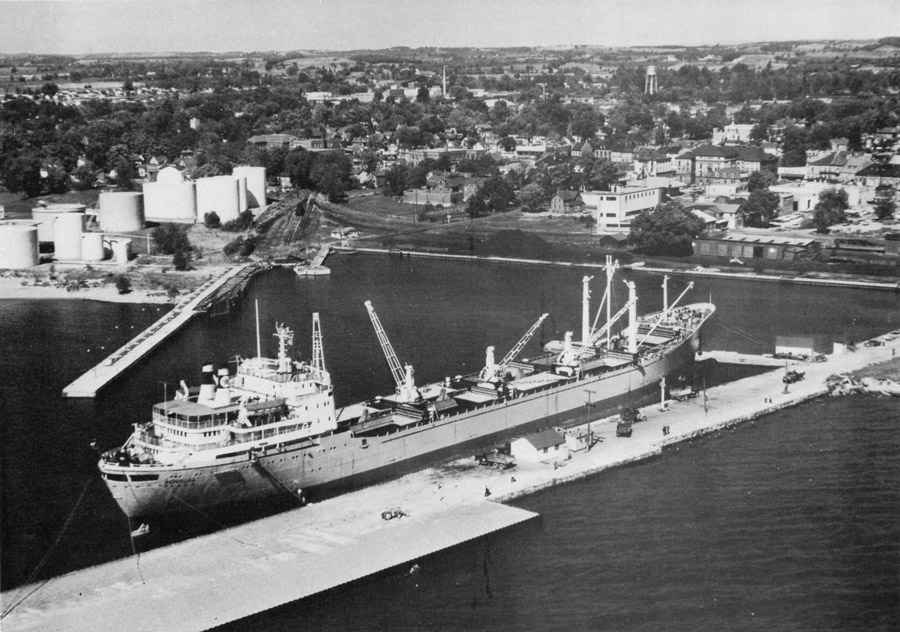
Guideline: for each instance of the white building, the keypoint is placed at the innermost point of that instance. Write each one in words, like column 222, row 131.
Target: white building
column 614, row 210
column 734, row 133
column 540, row 447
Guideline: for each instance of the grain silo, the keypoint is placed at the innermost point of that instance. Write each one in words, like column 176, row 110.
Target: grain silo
column 18, row 245
column 170, row 198
column 67, row 231
column 92, row 247
column 256, row 184
column 220, row 194
column 121, row 211
column 46, row 216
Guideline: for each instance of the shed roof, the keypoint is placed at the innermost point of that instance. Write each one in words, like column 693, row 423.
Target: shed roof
column 545, row 439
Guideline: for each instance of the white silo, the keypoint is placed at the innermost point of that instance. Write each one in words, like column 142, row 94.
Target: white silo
column 18, row 245
column 170, row 202
column 256, row 184
column 92, row 247
column 67, row 231
column 46, row 217
column 121, row 211
column 220, row 194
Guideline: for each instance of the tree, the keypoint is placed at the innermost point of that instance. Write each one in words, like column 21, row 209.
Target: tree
column 212, row 220
column 532, row 197
column 123, row 284
column 760, row 208
column 396, row 179
column 496, row 195
column 23, row 173
column 666, row 230
column 181, row 259
column 829, row 210
column 169, row 238
column 760, row 180
column 884, row 208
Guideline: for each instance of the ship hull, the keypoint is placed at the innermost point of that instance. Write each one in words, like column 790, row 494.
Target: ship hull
column 341, row 462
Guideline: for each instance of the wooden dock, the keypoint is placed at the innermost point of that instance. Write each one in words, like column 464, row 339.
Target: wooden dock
column 90, row 383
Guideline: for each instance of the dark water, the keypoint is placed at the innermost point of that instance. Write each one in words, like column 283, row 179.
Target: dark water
column 790, row 523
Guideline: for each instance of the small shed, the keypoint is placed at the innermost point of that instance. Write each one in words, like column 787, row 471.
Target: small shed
column 540, row 447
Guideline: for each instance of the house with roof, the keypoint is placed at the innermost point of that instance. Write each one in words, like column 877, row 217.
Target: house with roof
column 272, row 141
column 581, row 149
column 732, row 134
column 565, row 202
column 708, row 159
column 540, row 447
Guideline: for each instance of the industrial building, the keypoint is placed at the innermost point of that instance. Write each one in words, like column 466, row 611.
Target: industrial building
column 752, row 247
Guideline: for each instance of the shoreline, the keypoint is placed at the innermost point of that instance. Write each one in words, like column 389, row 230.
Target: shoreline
column 860, row 283
column 11, row 288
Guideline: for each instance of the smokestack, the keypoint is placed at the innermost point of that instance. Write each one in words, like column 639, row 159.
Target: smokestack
column 207, row 384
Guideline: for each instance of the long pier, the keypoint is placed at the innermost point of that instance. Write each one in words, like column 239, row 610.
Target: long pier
column 90, row 383
column 278, row 560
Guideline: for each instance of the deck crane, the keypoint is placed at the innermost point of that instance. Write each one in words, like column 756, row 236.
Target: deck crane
column 494, row 372
column 407, row 392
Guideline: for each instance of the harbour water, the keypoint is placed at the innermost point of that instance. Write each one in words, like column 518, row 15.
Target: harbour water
column 790, row 523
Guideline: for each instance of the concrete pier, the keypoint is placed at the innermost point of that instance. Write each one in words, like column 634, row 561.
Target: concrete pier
column 733, row 357
column 233, row 574
column 249, row 569
column 120, row 360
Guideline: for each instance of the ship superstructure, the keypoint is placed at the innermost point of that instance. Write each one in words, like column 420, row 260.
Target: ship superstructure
column 271, row 427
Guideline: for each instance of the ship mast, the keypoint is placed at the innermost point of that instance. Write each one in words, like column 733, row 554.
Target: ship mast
column 285, row 337
column 585, row 308
column 610, row 269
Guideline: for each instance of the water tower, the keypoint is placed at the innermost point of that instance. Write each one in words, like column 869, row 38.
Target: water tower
column 650, row 85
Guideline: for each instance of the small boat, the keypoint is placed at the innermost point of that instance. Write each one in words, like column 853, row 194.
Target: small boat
column 144, row 529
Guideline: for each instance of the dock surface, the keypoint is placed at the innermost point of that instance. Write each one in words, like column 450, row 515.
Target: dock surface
column 233, row 574
column 120, row 360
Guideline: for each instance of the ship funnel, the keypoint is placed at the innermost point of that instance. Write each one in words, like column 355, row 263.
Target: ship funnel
column 207, row 383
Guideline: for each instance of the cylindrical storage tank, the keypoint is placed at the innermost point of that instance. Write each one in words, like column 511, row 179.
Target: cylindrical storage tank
column 121, row 212
column 92, row 247
column 170, row 202
column 18, row 246
column 219, row 194
column 121, row 249
column 67, row 231
column 256, row 184
column 46, row 216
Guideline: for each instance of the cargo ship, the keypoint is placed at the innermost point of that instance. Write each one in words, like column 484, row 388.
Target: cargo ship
column 271, row 428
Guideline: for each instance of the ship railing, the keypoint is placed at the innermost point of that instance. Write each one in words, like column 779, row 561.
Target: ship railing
column 193, row 422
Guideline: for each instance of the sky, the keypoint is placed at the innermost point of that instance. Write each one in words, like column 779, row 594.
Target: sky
column 119, row 26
